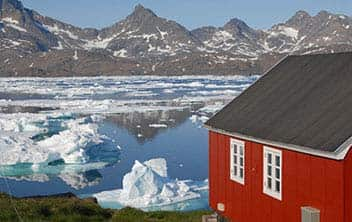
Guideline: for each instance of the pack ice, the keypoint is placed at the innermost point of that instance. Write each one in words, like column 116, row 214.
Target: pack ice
column 69, row 144
column 148, row 186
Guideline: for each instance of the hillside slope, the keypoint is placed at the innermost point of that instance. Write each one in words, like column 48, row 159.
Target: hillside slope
column 144, row 43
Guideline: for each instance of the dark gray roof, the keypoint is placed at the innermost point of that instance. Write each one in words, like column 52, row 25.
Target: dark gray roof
column 304, row 101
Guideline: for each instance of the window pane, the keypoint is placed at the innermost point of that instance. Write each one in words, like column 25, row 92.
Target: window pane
column 235, row 159
column 269, row 158
column 241, row 161
column 269, row 171
column 235, row 170
column 241, row 150
column 241, row 172
column 234, row 148
column 277, row 160
column 277, row 173
column 277, row 186
column 269, row 183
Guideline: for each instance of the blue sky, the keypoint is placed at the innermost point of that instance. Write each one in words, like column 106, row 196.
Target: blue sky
column 190, row 13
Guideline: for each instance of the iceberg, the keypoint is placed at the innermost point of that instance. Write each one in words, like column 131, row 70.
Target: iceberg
column 148, row 187
column 27, row 139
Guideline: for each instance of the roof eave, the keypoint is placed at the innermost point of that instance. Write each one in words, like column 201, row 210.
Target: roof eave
column 339, row 154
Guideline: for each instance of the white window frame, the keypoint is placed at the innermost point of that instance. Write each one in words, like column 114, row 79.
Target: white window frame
column 236, row 163
column 272, row 176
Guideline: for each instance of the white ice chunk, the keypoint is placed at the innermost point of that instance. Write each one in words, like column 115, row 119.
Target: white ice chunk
column 17, row 145
column 75, row 94
column 158, row 165
column 157, row 125
column 148, row 186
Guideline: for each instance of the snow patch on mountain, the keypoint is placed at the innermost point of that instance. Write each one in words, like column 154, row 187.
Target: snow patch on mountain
column 100, row 43
column 285, row 30
column 56, row 30
column 121, row 53
column 220, row 40
column 75, row 55
column 10, row 20
column 163, row 34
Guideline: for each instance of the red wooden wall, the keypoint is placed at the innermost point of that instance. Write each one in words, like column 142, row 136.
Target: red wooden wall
column 348, row 187
column 306, row 181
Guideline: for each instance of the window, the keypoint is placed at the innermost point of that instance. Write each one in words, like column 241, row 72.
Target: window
column 237, row 161
column 272, row 169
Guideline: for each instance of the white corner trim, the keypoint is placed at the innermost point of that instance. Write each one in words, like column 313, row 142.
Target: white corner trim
column 343, row 149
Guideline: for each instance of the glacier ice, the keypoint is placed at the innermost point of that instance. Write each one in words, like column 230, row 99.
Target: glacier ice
column 122, row 94
column 34, row 145
column 37, row 146
column 148, row 187
column 17, row 143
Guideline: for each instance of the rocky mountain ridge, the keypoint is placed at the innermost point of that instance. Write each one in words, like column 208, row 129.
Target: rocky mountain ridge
column 143, row 43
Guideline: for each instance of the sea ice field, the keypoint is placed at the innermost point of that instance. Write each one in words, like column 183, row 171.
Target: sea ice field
column 129, row 141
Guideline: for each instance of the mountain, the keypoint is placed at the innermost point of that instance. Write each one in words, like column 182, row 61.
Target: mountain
column 305, row 34
column 301, row 33
column 144, row 34
column 19, row 30
column 143, row 43
column 235, row 37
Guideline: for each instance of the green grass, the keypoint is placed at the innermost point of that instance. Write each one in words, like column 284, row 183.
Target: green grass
column 133, row 215
column 74, row 209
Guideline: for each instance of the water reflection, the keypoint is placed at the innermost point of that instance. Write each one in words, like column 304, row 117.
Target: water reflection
column 145, row 126
column 81, row 180
column 24, row 109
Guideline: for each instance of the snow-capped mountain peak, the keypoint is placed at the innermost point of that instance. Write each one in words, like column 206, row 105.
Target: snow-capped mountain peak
column 144, row 34
column 8, row 5
column 145, row 43
column 142, row 13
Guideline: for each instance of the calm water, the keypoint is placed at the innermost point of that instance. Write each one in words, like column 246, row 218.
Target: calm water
column 183, row 146
column 82, row 135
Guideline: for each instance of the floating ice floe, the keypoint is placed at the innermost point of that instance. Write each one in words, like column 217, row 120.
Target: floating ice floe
column 157, row 125
column 121, row 94
column 198, row 119
column 31, row 147
column 148, row 187
column 18, row 143
column 36, row 146
column 203, row 114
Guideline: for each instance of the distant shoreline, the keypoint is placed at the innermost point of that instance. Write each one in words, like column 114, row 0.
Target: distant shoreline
column 125, row 76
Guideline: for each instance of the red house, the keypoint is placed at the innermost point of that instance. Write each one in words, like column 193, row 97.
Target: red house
column 280, row 151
